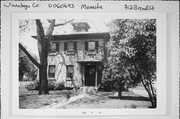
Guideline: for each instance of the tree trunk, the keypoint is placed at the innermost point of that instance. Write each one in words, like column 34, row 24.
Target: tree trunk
column 151, row 97
column 120, row 87
column 119, row 93
column 20, row 76
column 43, row 86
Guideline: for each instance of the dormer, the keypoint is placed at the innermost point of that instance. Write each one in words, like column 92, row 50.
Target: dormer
column 80, row 26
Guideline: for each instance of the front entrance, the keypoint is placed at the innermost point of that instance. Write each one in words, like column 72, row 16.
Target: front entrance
column 90, row 75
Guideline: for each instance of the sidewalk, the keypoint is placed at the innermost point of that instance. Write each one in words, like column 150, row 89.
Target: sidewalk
column 64, row 102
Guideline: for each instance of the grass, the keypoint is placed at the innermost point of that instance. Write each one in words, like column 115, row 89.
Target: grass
column 104, row 101
column 32, row 100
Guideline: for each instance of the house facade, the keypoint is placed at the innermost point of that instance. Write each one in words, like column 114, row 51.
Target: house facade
column 77, row 59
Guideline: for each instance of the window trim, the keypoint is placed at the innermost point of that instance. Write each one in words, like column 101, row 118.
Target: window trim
column 66, row 48
column 56, row 48
column 87, row 47
column 54, row 74
column 68, row 72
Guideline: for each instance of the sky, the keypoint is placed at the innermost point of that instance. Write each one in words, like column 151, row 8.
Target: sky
column 97, row 25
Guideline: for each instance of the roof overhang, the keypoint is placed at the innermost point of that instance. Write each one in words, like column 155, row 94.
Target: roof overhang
column 86, row 62
column 104, row 35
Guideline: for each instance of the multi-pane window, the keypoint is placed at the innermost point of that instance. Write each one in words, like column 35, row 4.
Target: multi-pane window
column 70, row 71
column 70, row 47
column 91, row 46
column 51, row 71
column 54, row 47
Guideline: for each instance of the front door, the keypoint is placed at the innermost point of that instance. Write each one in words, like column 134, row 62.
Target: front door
column 90, row 75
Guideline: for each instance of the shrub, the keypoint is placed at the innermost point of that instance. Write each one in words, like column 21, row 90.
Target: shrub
column 33, row 85
column 52, row 85
column 107, row 85
column 59, row 86
column 110, row 85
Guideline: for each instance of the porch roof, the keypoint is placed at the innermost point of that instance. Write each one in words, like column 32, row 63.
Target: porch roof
column 89, row 61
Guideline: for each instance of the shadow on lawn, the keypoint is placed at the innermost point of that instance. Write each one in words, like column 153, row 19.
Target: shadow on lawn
column 130, row 98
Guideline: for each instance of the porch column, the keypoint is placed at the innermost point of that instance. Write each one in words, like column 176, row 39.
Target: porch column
column 96, row 75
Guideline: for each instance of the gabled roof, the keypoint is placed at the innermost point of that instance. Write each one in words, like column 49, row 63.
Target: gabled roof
column 104, row 35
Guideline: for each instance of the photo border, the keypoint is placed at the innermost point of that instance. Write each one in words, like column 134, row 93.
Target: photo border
column 161, row 67
column 170, row 8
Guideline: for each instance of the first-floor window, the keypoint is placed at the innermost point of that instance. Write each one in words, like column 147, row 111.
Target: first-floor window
column 70, row 71
column 51, row 72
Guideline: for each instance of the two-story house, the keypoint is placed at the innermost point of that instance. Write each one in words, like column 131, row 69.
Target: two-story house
column 77, row 59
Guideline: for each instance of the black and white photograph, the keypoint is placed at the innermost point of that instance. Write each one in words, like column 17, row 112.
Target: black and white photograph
column 89, row 59
column 87, row 63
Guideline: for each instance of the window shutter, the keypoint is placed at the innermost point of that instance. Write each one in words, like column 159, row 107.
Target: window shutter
column 75, row 47
column 86, row 46
column 65, row 46
column 57, row 47
column 96, row 45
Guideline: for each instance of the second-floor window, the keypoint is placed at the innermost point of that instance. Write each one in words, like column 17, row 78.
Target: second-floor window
column 70, row 47
column 91, row 46
column 54, row 47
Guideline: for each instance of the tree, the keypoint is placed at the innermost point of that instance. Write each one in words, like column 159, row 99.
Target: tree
column 26, row 66
column 43, row 42
column 133, row 54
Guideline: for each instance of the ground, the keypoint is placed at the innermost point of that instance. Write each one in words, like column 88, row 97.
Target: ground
column 68, row 99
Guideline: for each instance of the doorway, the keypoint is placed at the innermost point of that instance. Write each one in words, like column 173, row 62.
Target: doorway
column 90, row 75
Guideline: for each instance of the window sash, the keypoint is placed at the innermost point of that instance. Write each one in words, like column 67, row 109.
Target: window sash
column 51, row 72
column 54, row 47
column 70, row 46
column 70, row 71
column 91, row 46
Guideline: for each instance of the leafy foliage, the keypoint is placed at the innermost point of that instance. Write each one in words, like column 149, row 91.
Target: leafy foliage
column 132, row 57
column 51, row 85
column 26, row 66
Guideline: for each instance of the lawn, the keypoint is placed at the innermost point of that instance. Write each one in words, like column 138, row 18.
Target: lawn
column 108, row 100
column 31, row 99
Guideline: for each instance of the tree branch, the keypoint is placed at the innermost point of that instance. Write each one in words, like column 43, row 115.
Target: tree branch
column 50, row 28
column 40, row 35
column 40, row 30
column 29, row 55
column 64, row 23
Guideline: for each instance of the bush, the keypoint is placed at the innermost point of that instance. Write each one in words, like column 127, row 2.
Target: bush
column 33, row 85
column 110, row 85
column 59, row 86
column 52, row 85
column 107, row 86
